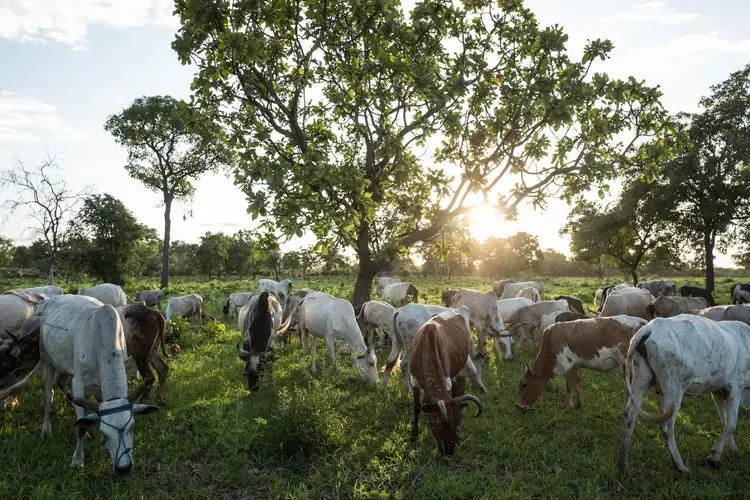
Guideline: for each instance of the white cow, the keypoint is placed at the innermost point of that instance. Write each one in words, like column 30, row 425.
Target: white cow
column 187, row 306
column 280, row 289
column 15, row 308
column 49, row 291
column 486, row 319
column 599, row 297
column 398, row 294
column 686, row 354
column 511, row 289
column 83, row 339
column 106, row 293
column 529, row 319
column 508, row 308
column 629, row 301
column 407, row 321
column 236, row 301
column 659, row 287
column 326, row 317
column 529, row 293
column 382, row 282
column 376, row 315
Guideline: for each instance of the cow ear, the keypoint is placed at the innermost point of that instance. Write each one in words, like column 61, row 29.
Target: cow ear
column 144, row 409
column 87, row 420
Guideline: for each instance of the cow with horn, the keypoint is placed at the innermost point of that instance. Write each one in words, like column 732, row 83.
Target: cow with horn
column 259, row 320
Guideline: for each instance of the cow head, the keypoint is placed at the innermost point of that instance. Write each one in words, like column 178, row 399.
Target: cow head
column 367, row 364
column 530, row 387
column 116, row 418
column 444, row 417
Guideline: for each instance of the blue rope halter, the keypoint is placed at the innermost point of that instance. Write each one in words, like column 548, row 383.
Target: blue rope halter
column 120, row 431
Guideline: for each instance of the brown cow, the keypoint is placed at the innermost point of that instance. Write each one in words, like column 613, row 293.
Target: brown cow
column 666, row 307
column 448, row 297
column 597, row 343
column 440, row 351
column 144, row 334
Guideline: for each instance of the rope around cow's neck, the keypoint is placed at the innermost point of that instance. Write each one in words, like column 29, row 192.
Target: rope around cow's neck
column 120, row 431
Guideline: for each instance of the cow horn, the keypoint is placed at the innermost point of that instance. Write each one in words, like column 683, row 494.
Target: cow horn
column 528, row 369
column 13, row 337
column 443, row 411
column 471, row 397
column 516, row 327
column 83, row 403
column 243, row 354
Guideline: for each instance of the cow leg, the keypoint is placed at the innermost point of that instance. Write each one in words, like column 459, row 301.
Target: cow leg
column 78, row 391
column 162, row 370
column 331, row 343
column 672, row 398
column 475, row 376
column 313, row 345
column 416, row 396
column 642, row 379
column 48, row 372
column 721, row 407
column 405, row 361
column 573, row 386
column 391, row 361
column 146, row 374
column 732, row 406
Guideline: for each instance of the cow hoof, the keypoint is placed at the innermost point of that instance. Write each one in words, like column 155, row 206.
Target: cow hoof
column 568, row 409
column 76, row 463
column 714, row 462
column 46, row 430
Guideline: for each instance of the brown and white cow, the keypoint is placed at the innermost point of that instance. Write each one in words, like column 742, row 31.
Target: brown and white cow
column 600, row 344
column 439, row 355
column 666, row 307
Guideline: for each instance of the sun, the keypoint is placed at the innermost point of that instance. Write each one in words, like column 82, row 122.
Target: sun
column 485, row 221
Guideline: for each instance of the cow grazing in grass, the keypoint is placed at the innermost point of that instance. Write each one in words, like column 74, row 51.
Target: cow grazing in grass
column 666, row 307
column 152, row 298
column 530, row 293
column 529, row 319
column 440, row 352
column 511, row 289
column 144, row 336
column 407, row 321
column 106, row 293
column 600, row 344
column 325, row 317
column 574, row 303
column 236, row 301
column 447, row 297
column 290, row 314
column 400, row 294
column 187, row 306
column 376, row 315
column 84, row 339
column 383, row 281
column 628, row 302
column 739, row 293
column 681, row 355
column 280, row 289
column 486, row 319
column 259, row 320
column 499, row 287
column 49, row 290
column 508, row 308
column 696, row 291
column 659, row 287
column 570, row 316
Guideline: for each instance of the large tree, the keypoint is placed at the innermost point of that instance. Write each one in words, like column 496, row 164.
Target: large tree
column 169, row 146
column 630, row 231
column 7, row 250
column 38, row 194
column 115, row 234
column 341, row 107
column 212, row 254
column 710, row 174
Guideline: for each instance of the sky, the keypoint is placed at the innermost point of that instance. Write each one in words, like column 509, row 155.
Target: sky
column 68, row 64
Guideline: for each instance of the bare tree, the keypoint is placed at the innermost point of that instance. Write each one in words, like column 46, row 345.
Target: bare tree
column 38, row 194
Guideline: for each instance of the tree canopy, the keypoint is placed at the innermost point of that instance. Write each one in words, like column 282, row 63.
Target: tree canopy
column 345, row 111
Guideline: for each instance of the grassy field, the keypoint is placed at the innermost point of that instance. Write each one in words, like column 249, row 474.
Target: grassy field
column 331, row 436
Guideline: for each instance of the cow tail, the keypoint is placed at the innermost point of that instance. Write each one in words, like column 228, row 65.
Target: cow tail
column 162, row 327
column 396, row 364
column 284, row 327
column 653, row 418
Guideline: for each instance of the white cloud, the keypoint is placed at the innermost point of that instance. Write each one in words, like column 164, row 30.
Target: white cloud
column 657, row 11
column 23, row 119
column 67, row 21
column 688, row 49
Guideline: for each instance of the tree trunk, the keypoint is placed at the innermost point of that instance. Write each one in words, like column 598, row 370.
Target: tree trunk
column 367, row 269
column 634, row 274
column 165, row 249
column 51, row 275
column 708, row 243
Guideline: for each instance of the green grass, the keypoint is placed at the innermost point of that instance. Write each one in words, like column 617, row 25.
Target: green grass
column 331, row 436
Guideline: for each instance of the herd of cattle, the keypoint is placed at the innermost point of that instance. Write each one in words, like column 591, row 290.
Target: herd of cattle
column 674, row 344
